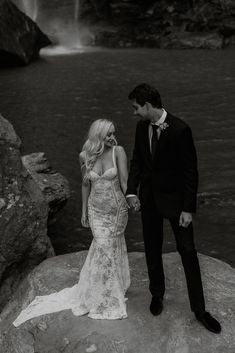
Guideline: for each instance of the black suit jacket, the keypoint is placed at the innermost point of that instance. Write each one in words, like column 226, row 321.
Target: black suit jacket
column 172, row 176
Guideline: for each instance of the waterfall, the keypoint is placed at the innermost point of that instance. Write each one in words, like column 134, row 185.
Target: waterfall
column 61, row 25
column 68, row 33
column 29, row 7
column 76, row 10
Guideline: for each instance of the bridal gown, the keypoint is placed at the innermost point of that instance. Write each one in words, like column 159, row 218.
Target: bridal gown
column 105, row 277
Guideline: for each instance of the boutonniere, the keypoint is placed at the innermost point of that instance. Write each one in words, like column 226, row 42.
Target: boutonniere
column 163, row 126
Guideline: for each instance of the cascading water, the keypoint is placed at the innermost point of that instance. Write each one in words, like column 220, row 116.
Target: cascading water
column 68, row 33
column 29, row 7
column 61, row 24
column 76, row 10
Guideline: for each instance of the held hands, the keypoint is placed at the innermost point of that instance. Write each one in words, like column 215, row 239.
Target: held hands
column 84, row 220
column 185, row 219
column 133, row 203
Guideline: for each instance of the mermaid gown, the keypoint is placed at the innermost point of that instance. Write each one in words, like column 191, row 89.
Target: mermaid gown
column 105, row 277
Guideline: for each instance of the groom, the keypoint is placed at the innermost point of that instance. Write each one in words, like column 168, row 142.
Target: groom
column 164, row 168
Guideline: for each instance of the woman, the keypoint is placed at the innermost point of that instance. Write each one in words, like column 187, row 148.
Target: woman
column 104, row 278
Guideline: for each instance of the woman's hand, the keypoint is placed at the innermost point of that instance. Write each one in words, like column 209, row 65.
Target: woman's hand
column 185, row 219
column 84, row 220
column 133, row 202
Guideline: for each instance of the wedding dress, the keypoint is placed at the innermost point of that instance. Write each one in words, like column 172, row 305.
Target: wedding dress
column 105, row 277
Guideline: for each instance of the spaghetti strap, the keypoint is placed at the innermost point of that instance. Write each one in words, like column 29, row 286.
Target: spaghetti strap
column 114, row 157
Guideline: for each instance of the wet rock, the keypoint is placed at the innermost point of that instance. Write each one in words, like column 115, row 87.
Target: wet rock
column 20, row 38
column 230, row 41
column 130, row 23
column 175, row 330
column 102, row 8
column 228, row 26
column 189, row 40
column 150, row 23
column 126, row 37
column 23, row 216
column 53, row 185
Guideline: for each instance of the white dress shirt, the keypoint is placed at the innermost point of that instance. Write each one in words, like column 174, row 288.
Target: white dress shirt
column 159, row 122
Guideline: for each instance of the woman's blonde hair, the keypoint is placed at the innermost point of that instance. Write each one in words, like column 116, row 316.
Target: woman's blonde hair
column 94, row 145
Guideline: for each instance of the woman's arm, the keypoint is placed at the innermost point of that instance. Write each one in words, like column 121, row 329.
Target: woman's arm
column 122, row 167
column 86, row 188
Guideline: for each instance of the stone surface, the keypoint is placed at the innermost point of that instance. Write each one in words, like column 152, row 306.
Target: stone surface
column 131, row 23
column 153, row 23
column 23, row 216
column 53, row 185
column 174, row 331
column 189, row 40
column 20, row 38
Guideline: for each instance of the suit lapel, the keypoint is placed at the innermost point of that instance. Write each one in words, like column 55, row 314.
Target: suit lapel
column 161, row 143
column 146, row 145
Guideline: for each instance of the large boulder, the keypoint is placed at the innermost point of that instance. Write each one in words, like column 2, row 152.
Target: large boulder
column 53, row 185
column 174, row 331
column 20, row 38
column 24, row 208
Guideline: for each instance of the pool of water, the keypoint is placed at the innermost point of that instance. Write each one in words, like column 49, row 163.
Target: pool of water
column 52, row 102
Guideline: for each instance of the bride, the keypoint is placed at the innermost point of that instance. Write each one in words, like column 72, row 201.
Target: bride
column 105, row 277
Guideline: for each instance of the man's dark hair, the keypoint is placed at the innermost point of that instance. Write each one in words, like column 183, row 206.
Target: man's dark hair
column 145, row 93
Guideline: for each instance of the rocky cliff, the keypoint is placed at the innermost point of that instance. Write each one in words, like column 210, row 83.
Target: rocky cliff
column 20, row 38
column 28, row 194
column 134, row 23
column 162, row 23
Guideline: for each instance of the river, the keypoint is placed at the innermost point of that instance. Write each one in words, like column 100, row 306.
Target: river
column 52, row 102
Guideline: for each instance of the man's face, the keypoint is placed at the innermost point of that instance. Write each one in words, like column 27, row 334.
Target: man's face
column 141, row 111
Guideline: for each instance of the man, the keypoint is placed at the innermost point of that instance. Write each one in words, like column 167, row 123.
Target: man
column 164, row 168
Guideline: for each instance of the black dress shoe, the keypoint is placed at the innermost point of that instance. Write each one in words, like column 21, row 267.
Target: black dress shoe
column 208, row 322
column 156, row 306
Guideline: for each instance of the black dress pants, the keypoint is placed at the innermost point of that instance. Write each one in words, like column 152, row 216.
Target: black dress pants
column 152, row 222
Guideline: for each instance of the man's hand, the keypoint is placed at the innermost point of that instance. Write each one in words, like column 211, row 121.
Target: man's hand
column 185, row 219
column 133, row 203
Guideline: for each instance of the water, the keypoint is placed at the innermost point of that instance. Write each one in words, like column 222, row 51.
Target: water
column 29, row 7
column 61, row 25
column 52, row 102
column 76, row 10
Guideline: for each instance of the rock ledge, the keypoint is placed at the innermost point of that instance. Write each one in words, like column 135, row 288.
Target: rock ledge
column 174, row 331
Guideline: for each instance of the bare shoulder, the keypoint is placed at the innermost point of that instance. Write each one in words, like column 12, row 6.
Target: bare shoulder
column 121, row 157
column 120, row 151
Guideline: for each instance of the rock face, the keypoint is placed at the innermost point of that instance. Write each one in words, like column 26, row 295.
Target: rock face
column 54, row 187
column 175, row 330
column 151, row 23
column 23, row 211
column 20, row 38
column 195, row 24
column 134, row 23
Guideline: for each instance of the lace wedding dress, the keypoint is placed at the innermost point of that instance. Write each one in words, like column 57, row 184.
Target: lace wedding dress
column 105, row 277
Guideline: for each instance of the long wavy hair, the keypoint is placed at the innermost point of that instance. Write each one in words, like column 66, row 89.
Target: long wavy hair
column 94, row 145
